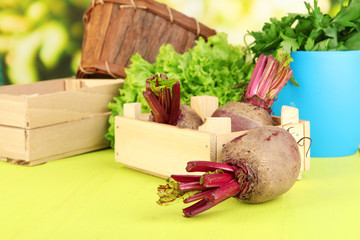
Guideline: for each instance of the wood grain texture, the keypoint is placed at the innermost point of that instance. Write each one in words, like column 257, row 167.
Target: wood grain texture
column 53, row 119
column 55, row 101
column 115, row 30
column 160, row 149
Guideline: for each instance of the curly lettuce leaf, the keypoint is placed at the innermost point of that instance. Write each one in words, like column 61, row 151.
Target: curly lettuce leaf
column 213, row 67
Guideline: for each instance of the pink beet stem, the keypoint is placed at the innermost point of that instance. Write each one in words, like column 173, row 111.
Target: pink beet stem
column 190, row 186
column 175, row 104
column 198, row 207
column 157, row 110
column 224, row 192
column 186, row 178
column 255, row 77
column 165, row 99
column 198, row 196
column 207, row 166
column 217, row 179
column 267, row 77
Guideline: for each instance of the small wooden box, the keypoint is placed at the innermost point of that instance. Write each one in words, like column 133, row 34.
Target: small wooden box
column 162, row 150
column 53, row 119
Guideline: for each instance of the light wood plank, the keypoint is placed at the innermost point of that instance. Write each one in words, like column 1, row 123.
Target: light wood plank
column 205, row 106
column 307, row 144
column 132, row 110
column 160, row 149
column 12, row 111
column 65, row 106
column 12, row 142
column 217, row 125
column 289, row 115
column 60, row 139
column 41, row 87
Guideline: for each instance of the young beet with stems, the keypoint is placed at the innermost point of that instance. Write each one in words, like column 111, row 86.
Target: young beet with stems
column 257, row 166
column 163, row 98
column 269, row 77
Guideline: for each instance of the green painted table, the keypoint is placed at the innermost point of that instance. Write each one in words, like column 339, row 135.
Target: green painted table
column 92, row 197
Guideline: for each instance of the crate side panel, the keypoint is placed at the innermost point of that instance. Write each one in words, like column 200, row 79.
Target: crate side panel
column 12, row 143
column 38, row 88
column 12, row 111
column 160, row 149
column 66, row 137
column 71, row 105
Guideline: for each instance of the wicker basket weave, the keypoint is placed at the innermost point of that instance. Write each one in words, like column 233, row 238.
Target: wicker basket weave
column 117, row 29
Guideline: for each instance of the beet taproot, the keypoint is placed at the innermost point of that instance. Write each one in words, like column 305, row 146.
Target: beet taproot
column 257, row 166
column 269, row 77
column 272, row 155
column 244, row 116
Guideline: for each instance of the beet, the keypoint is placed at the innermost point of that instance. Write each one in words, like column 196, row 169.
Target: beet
column 244, row 116
column 257, row 166
column 163, row 98
column 272, row 155
column 269, row 77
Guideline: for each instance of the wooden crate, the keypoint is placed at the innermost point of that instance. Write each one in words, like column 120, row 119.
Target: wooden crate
column 162, row 150
column 53, row 119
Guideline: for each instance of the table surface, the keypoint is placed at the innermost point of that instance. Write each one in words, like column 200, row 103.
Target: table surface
column 90, row 196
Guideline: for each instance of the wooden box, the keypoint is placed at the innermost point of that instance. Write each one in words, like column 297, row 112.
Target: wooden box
column 162, row 150
column 53, row 119
column 117, row 29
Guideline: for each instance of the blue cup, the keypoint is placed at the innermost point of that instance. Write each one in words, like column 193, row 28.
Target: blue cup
column 328, row 97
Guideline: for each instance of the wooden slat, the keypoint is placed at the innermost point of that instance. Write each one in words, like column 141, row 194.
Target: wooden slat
column 60, row 140
column 39, row 88
column 160, row 149
column 12, row 143
column 12, row 111
column 307, row 144
column 217, row 125
column 205, row 106
column 65, row 106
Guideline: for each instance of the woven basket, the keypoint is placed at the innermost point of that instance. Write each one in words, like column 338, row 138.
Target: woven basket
column 117, row 29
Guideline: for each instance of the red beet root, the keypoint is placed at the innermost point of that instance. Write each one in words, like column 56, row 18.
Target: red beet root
column 269, row 77
column 255, row 167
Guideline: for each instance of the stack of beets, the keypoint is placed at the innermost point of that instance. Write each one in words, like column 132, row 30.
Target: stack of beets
column 259, row 165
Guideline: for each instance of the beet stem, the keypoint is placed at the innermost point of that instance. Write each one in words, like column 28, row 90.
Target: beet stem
column 224, row 192
column 175, row 104
column 199, row 196
column 207, row 166
column 198, row 207
column 157, row 110
column 217, row 179
column 191, row 186
column 186, row 178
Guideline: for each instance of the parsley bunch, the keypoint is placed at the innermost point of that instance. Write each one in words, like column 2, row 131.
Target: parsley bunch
column 314, row 31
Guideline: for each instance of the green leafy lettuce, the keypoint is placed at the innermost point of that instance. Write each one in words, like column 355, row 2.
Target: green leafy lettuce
column 314, row 31
column 213, row 67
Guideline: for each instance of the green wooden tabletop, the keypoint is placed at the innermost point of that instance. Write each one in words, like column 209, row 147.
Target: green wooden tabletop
column 90, row 196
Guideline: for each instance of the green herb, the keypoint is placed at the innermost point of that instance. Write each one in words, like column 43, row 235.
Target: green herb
column 214, row 68
column 314, row 31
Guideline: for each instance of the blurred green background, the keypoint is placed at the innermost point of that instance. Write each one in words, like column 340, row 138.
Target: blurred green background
column 42, row 39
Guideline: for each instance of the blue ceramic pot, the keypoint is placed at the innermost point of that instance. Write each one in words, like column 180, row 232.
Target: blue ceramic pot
column 329, row 97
